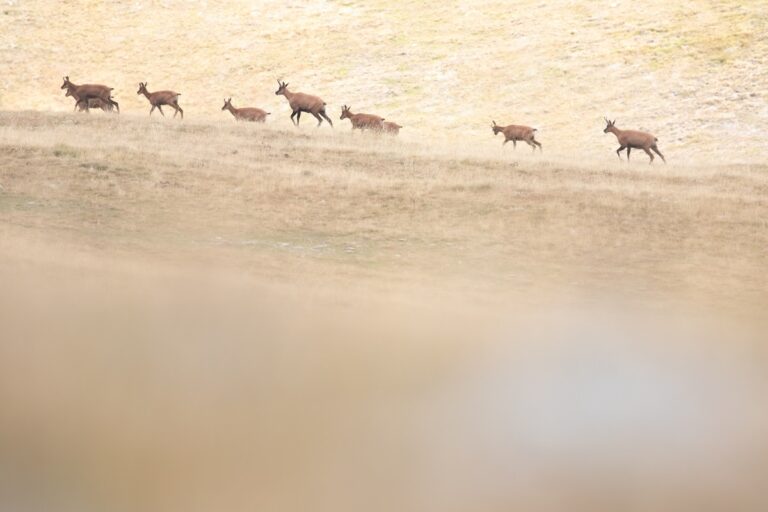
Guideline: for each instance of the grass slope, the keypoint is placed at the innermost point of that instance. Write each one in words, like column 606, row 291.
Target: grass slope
column 692, row 72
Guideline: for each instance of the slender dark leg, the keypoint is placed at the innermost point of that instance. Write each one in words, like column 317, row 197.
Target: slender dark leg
column 656, row 150
column 649, row 154
column 322, row 113
column 319, row 119
column 618, row 151
column 628, row 149
column 178, row 110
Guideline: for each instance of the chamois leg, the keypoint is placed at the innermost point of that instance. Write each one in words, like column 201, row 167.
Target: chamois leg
column 114, row 104
column 628, row 150
column 322, row 113
column 319, row 119
column 618, row 151
column 541, row 150
column 298, row 117
column 178, row 110
column 530, row 143
column 649, row 154
column 293, row 114
column 160, row 108
column 655, row 149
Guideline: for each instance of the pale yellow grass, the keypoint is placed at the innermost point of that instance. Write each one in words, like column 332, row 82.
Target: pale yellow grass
column 692, row 72
column 206, row 316
column 338, row 209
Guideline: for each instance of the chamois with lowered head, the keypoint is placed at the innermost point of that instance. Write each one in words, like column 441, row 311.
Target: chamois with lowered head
column 301, row 102
column 362, row 121
column 159, row 98
column 390, row 127
column 85, row 92
column 515, row 133
column 86, row 105
column 252, row 114
column 632, row 139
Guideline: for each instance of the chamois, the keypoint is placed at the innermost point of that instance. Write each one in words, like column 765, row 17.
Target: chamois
column 85, row 92
column 301, row 102
column 362, row 121
column 515, row 133
column 390, row 127
column 159, row 98
column 89, row 104
column 630, row 139
column 246, row 114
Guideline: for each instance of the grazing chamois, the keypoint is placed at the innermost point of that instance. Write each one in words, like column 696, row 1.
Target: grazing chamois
column 632, row 139
column 301, row 102
column 515, row 133
column 159, row 98
column 390, row 127
column 85, row 106
column 255, row 115
column 362, row 121
column 85, row 92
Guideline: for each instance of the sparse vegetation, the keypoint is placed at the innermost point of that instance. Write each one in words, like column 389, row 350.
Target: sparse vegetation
column 695, row 232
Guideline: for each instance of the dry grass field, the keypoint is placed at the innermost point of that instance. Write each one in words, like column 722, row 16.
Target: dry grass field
column 334, row 210
column 202, row 315
column 692, row 72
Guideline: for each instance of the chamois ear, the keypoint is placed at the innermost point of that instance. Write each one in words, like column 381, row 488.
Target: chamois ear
column 494, row 123
column 613, row 122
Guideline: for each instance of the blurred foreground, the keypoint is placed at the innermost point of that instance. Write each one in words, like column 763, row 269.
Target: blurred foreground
column 202, row 317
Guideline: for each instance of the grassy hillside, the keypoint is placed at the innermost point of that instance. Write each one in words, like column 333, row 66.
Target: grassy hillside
column 692, row 72
column 357, row 211
column 206, row 316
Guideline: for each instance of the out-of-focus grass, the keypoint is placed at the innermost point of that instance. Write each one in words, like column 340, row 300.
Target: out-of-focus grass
column 341, row 209
column 197, row 316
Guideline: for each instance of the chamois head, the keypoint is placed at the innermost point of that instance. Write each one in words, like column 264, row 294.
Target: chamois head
column 609, row 125
column 142, row 88
column 227, row 104
column 282, row 87
column 496, row 128
column 345, row 112
column 66, row 83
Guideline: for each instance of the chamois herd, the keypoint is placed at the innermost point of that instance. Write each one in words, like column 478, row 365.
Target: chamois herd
column 88, row 96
